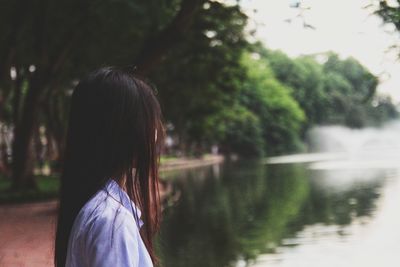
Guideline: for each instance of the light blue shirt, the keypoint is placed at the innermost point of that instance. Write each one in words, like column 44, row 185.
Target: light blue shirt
column 105, row 232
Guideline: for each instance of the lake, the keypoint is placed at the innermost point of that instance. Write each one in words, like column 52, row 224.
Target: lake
column 336, row 208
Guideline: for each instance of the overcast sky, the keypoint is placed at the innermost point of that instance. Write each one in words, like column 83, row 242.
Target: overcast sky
column 343, row 26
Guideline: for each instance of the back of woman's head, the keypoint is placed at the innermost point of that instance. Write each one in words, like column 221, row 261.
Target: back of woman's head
column 115, row 131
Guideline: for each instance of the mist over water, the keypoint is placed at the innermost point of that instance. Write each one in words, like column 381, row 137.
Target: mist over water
column 338, row 147
column 346, row 163
column 369, row 148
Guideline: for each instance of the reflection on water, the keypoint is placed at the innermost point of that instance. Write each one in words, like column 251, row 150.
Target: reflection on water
column 252, row 214
column 366, row 236
column 326, row 212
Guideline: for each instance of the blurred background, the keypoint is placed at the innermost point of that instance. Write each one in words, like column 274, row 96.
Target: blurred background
column 282, row 117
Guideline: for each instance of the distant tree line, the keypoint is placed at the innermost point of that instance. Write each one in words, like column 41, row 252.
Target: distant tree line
column 215, row 87
column 218, row 88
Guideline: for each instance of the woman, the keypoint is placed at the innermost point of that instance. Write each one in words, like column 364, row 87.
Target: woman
column 109, row 200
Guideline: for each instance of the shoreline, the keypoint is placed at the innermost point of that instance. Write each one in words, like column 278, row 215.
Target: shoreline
column 188, row 163
column 169, row 166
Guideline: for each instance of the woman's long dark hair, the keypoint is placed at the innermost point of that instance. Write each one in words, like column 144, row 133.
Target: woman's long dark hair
column 115, row 131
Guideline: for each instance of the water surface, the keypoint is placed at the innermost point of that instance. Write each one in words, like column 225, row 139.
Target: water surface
column 333, row 212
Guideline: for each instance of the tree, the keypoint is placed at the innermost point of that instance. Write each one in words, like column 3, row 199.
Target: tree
column 361, row 80
column 280, row 115
column 304, row 75
column 238, row 130
column 55, row 42
column 389, row 11
column 350, row 89
column 201, row 77
column 331, row 91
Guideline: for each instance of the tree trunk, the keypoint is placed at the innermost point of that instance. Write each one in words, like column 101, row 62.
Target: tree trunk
column 55, row 131
column 16, row 101
column 22, row 161
column 4, row 163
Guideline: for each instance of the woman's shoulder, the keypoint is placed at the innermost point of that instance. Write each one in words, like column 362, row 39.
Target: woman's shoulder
column 105, row 227
column 109, row 209
column 103, row 208
column 101, row 218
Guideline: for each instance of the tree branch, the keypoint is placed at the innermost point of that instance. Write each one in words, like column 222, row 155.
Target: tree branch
column 156, row 47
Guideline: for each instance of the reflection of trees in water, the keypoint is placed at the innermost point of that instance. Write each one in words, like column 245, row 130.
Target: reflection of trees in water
column 249, row 209
column 237, row 215
column 329, row 206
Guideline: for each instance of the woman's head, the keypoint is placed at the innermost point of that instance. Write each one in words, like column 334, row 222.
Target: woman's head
column 115, row 131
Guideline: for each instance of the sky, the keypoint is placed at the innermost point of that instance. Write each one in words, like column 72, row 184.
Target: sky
column 346, row 27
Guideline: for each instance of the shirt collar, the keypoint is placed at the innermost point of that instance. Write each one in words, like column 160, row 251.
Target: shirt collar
column 116, row 192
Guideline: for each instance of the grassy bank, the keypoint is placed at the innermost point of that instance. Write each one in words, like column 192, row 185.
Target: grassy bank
column 47, row 186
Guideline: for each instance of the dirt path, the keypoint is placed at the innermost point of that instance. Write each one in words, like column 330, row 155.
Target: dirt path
column 26, row 235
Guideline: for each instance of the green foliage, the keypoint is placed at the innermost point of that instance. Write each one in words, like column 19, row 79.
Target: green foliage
column 334, row 92
column 382, row 109
column 280, row 115
column 389, row 11
column 362, row 82
column 214, row 90
column 350, row 89
column 47, row 188
column 237, row 130
column 210, row 84
column 201, row 76
column 304, row 76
